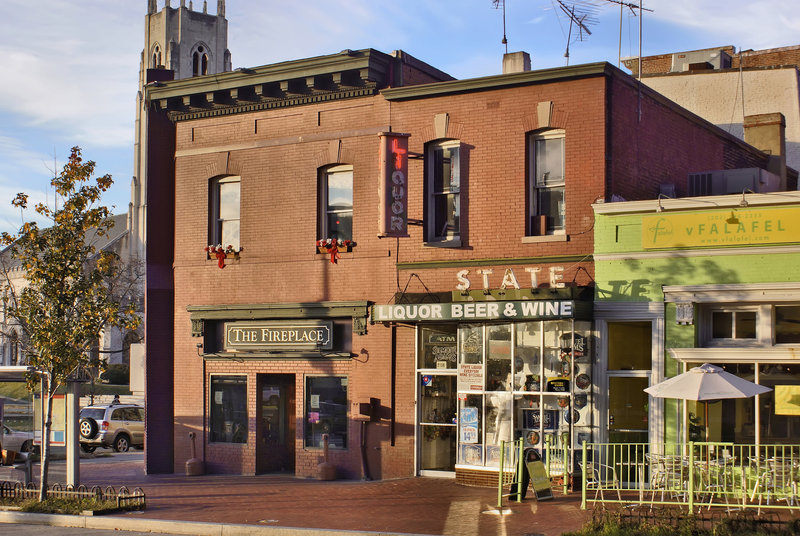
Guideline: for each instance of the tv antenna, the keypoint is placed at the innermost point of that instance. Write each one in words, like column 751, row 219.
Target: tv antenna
column 501, row 4
column 580, row 14
column 633, row 7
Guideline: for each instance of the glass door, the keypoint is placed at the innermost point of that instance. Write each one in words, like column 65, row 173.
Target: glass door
column 437, row 423
column 276, row 431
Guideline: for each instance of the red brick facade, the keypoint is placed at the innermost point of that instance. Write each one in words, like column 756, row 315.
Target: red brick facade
column 277, row 153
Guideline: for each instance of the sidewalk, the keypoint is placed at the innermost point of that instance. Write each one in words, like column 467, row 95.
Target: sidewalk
column 429, row 506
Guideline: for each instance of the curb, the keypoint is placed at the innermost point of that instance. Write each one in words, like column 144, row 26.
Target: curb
column 191, row 528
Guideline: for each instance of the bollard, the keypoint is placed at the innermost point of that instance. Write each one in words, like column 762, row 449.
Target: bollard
column 194, row 465
column 325, row 470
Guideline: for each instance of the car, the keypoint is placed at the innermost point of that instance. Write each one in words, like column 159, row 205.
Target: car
column 17, row 441
column 115, row 425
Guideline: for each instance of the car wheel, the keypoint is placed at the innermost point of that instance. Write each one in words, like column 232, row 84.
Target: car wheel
column 87, row 448
column 122, row 443
column 88, row 428
column 26, row 447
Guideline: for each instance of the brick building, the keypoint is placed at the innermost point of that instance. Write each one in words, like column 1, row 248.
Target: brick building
column 722, row 84
column 459, row 312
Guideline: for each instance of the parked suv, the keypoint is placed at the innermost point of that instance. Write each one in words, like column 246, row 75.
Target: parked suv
column 119, row 426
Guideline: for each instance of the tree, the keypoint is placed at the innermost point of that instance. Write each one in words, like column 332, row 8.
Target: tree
column 71, row 286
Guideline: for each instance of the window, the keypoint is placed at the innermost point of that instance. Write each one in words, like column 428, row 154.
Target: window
column 733, row 324
column 546, row 183
column 336, row 202
column 326, row 411
column 224, row 224
column 200, row 62
column 787, row 324
column 157, row 57
column 443, row 184
column 228, row 409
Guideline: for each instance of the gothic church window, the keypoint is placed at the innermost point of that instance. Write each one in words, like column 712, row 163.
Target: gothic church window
column 200, row 62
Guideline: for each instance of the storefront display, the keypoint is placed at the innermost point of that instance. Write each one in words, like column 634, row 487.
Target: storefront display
column 528, row 379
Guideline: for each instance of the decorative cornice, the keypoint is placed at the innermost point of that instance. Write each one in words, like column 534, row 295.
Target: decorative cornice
column 498, row 81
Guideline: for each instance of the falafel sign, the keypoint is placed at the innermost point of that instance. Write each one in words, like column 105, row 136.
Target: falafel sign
column 278, row 335
column 491, row 310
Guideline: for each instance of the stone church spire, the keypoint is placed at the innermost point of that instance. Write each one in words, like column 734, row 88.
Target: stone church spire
column 152, row 7
column 220, row 8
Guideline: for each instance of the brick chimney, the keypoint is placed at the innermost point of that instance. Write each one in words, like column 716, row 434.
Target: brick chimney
column 516, row 62
column 767, row 132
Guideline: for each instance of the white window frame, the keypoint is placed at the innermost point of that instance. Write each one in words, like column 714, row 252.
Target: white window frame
column 215, row 220
column 535, row 187
column 324, row 207
column 433, row 236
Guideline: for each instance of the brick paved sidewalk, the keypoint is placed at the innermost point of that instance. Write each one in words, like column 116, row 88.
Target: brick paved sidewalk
column 430, row 506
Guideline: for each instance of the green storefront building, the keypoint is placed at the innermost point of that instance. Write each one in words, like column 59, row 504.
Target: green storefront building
column 681, row 282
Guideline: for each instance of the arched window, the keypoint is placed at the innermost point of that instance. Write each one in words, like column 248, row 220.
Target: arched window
column 157, row 58
column 200, row 61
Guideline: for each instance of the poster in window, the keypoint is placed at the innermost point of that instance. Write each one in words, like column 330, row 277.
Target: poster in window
column 469, row 425
column 470, row 377
column 787, row 400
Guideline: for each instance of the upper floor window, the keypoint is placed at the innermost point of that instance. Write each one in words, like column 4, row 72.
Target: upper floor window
column 443, row 187
column 200, row 61
column 546, row 206
column 750, row 325
column 336, row 202
column 224, row 212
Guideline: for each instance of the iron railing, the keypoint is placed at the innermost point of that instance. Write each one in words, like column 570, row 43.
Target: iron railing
column 692, row 475
column 123, row 497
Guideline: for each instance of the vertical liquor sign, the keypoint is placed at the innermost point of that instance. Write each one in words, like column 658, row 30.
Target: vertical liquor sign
column 393, row 187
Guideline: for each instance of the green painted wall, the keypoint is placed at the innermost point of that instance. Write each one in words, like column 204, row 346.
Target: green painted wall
column 641, row 279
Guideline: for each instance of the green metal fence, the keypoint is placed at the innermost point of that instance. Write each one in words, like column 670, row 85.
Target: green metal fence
column 694, row 475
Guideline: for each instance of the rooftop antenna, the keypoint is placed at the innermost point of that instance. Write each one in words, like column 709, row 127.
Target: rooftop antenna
column 501, row 4
column 580, row 13
column 633, row 7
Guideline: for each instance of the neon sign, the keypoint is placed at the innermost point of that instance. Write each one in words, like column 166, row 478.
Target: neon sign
column 393, row 188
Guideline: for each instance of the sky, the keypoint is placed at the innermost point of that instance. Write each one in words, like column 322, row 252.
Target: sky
column 69, row 68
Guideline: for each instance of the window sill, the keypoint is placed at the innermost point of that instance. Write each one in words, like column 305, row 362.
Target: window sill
column 443, row 244
column 545, row 238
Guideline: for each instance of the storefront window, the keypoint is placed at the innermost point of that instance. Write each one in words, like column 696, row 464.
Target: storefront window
column 536, row 384
column 787, row 324
column 471, row 344
column 326, row 411
column 470, row 430
column 437, row 347
column 498, row 358
column 498, row 425
column 228, row 409
column 780, row 422
column 527, row 365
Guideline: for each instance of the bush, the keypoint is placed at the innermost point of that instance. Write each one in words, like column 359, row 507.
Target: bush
column 117, row 374
column 53, row 505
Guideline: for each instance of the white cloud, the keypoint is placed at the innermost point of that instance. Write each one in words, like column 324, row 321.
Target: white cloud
column 746, row 24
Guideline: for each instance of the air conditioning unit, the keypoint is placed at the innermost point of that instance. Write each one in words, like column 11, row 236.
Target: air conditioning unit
column 732, row 181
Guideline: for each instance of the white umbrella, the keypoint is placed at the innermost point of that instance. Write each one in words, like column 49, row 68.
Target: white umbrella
column 704, row 383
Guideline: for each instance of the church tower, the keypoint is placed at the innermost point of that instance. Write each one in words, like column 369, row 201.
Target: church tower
column 179, row 42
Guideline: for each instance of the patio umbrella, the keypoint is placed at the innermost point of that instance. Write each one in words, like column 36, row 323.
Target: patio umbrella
column 706, row 383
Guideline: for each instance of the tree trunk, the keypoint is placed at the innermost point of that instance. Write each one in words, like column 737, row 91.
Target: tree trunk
column 48, row 392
